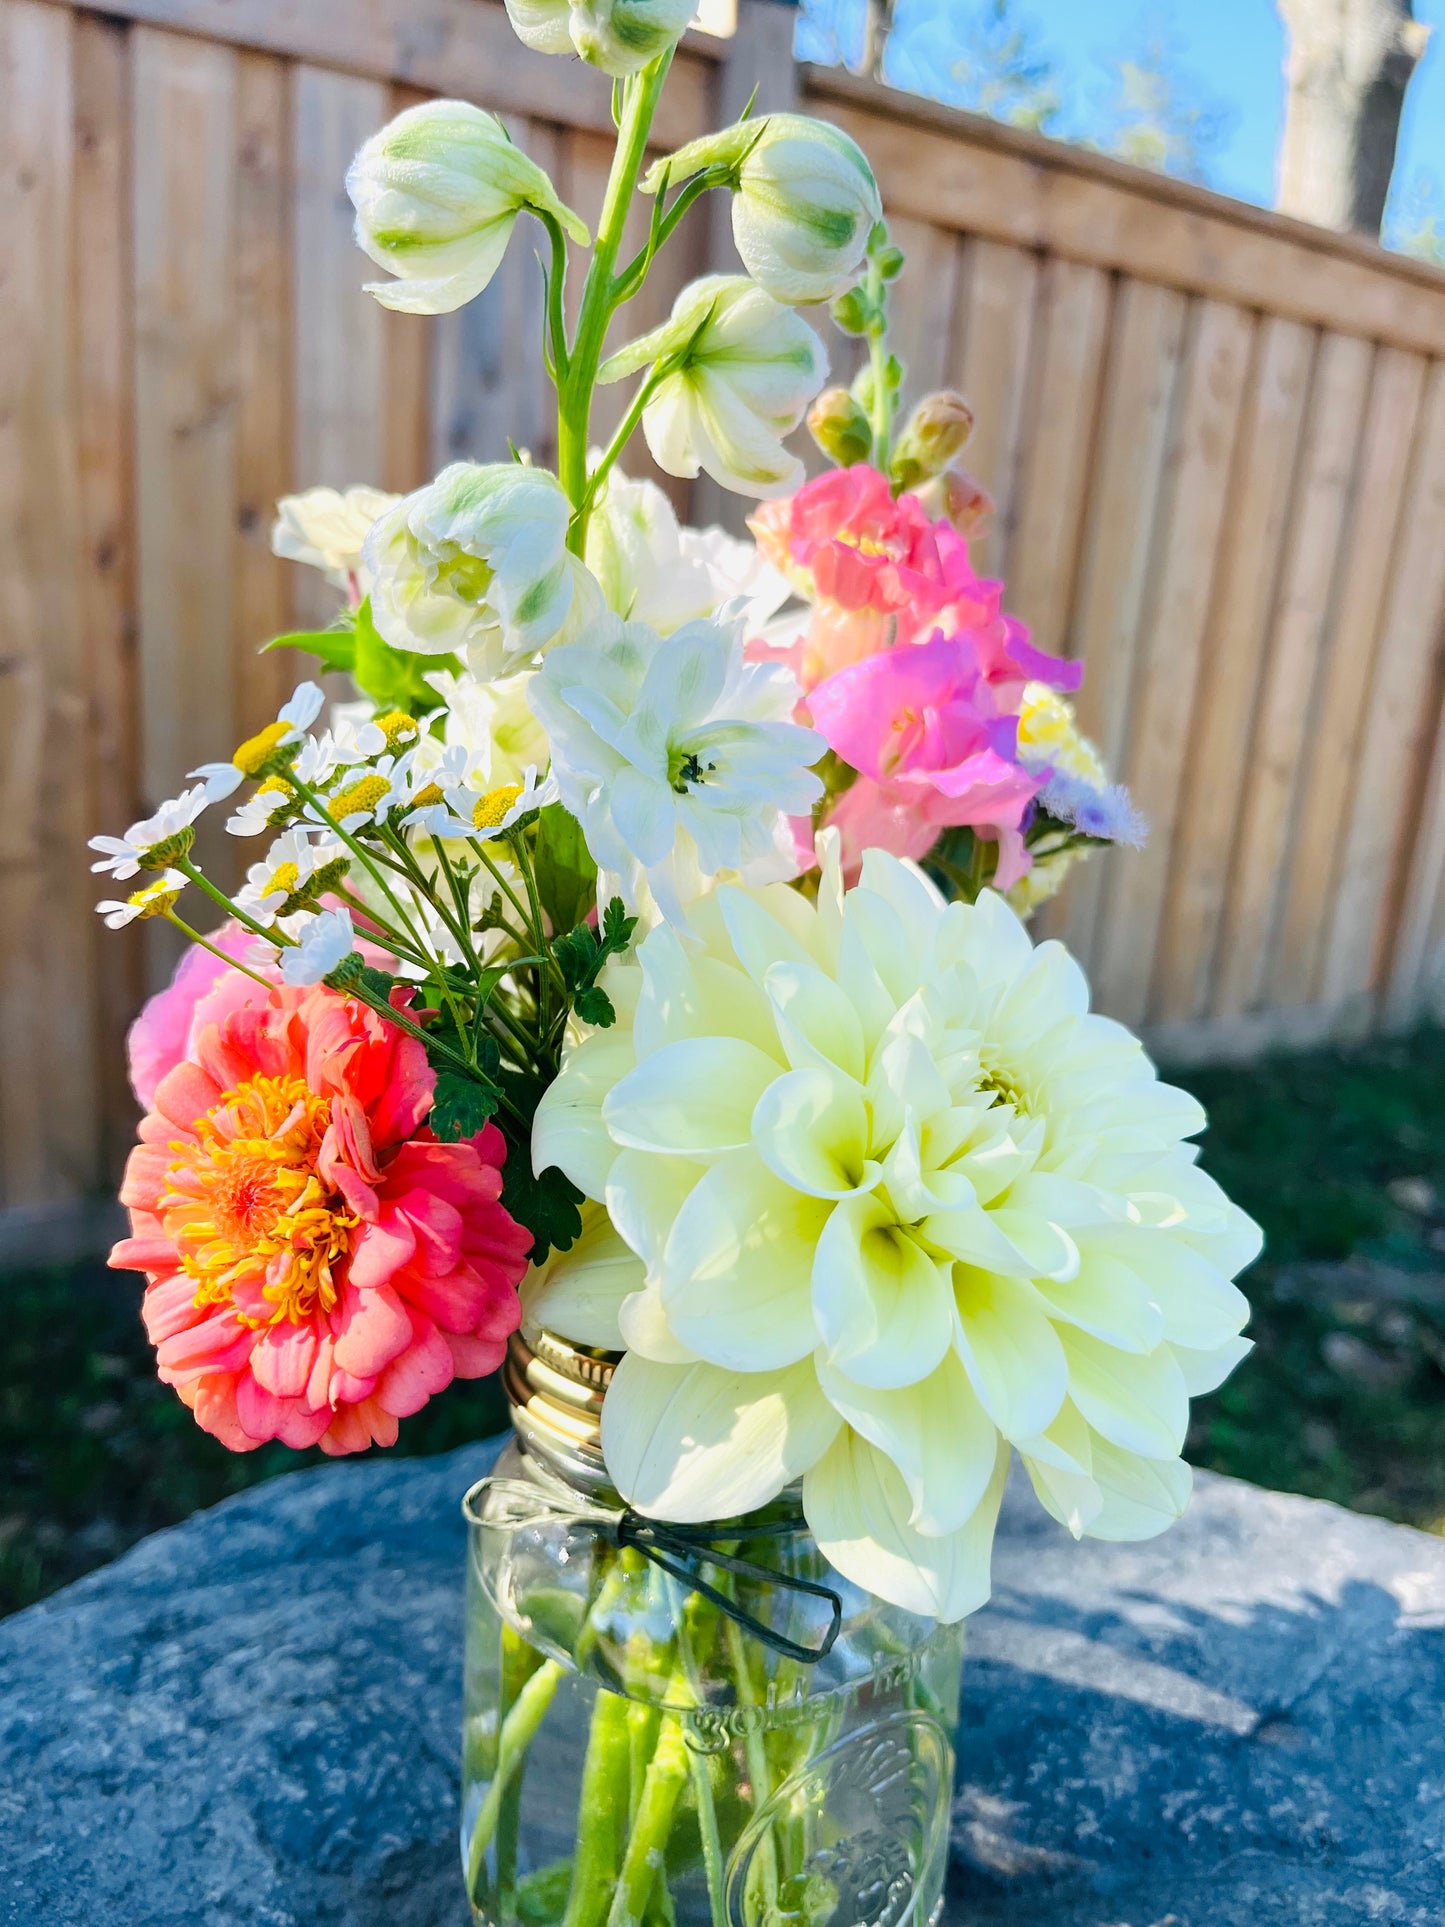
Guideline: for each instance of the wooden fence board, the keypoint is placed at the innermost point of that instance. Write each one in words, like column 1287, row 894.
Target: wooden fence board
column 1416, row 964
column 339, row 343
column 184, row 202
column 993, row 335
column 1329, row 758
column 1399, row 723
column 1301, row 630
column 1222, row 723
column 101, row 281
column 1046, row 513
column 407, row 343
column 921, row 303
column 46, row 1015
column 1133, row 437
column 1193, row 489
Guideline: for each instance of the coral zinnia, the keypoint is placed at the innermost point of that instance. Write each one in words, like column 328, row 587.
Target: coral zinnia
column 319, row 1265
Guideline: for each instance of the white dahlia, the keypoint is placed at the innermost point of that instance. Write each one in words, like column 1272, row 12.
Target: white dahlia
column 886, row 1200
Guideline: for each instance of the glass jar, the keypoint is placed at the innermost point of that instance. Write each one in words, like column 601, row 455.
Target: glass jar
column 684, row 1727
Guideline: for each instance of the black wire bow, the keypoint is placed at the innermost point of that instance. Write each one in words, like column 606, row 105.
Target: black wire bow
column 669, row 1546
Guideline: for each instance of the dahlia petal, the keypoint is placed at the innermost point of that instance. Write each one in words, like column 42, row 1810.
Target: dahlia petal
column 381, row 1249
column 260, row 1412
column 408, row 1096
column 424, row 1368
column 283, row 1357
column 578, row 1293
column 186, row 1093
column 1012, row 1354
column 169, row 1306
column 145, row 1182
column 213, row 1401
column 1142, row 1497
column 1137, row 1404
column 370, row 1327
column 694, row 1442
column 474, row 1356
column 217, row 1344
column 694, row 1098
column 150, row 1251
column 883, row 1306
column 857, row 1505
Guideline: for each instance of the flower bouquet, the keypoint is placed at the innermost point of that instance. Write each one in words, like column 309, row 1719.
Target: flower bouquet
column 632, row 994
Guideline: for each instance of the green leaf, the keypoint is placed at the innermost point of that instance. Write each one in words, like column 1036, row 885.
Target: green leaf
column 546, row 1205
column 566, row 874
column 594, row 1006
column 578, row 954
column 461, row 1106
column 394, row 678
column 378, row 982
column 336, row 647
column 617, row 928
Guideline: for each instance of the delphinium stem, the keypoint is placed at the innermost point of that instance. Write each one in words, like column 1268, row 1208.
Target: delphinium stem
column 519, row 1729
column 602, row 1813
column 757, row 1756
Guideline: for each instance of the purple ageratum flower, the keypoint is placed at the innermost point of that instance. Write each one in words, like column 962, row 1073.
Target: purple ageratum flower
column 1107, row 813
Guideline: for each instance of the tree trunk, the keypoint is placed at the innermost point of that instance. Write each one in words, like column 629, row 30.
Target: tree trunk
column 877, row 25
column 1349, row 64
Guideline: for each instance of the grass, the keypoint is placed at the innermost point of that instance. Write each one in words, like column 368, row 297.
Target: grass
column 1340, row 1155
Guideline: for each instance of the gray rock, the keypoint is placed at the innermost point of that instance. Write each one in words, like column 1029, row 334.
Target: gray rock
column 251, row 1721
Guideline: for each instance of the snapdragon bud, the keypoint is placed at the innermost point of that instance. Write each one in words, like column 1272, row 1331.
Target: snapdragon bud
column 619, row 36
column 804, row 201
column 840, row 427
column 935, row 432
column 738, row 370
column 437, row 193
column 956, row 497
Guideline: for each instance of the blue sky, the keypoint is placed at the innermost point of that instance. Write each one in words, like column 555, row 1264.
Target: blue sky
column 1234, row 51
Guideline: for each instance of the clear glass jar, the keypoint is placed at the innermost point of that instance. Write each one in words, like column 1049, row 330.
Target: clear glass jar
column 637, row 1753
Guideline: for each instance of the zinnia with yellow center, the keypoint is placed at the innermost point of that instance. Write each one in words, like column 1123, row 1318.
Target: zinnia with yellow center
column 881, row 1201
column 318, row 1264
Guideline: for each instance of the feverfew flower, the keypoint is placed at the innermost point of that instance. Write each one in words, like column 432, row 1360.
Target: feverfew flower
column 739, row 372
column 675, row 755
column 326, row 530
column 257, row 754
column 370, row 793
column 293, row 862
column 897, row 1203
column 151, row 900
column 804, row 201
column 485, row 814
column 156, row 841
column 491, row 721
column 477, row 561
column 437, row 193
column 322, row 942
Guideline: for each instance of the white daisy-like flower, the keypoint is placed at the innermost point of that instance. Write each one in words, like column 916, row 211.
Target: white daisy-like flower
column 677, row 756
column 149, row 844
column 354, row 732
column 368, row 794
column 267, row 808
column 489, row 813
column 322, row 941
column 292, row 860
column 896, row 1203
column 293, row 720
column 151, row 900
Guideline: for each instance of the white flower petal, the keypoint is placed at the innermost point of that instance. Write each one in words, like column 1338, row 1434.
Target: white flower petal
column 695, row 1442
column 883, row 1306
column 694, row 1098
column 578, row 1293
column 1010, row 1351
column 1138, row 1404
column 568, row 1130
column 811, row 1127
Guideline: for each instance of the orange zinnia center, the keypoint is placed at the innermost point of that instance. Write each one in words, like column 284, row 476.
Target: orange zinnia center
column 246, row 1209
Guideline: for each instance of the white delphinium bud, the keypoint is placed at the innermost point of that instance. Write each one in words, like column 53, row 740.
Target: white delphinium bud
column 477, row 561
column 619, row 36
column 678, row 757
column 804, row 201
column 739, row 372
column 437, row 193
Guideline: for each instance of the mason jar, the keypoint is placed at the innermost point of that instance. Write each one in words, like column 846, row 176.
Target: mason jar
column 684, row 1726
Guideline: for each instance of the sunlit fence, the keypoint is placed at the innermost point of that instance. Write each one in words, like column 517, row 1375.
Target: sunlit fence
column 1216, row 439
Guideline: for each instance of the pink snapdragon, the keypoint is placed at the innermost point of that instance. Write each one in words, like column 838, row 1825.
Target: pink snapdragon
column 934, row 747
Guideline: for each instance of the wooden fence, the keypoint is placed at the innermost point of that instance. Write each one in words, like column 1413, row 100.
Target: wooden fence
column 1216, row 438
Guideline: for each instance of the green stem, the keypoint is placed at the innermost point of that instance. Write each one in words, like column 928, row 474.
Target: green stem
column 205, row 943
column 519, row 1729
column 603, row 1813
column 203, row 882
column 599, row 295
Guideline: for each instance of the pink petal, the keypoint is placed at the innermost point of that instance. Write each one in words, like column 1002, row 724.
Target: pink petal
column 370, row 1328
column 283, row 1358
column 424, row 1368
column 381, row 1249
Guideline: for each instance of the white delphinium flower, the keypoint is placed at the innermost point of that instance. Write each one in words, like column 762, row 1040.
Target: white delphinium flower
column 325, row 529
column 153, row 899
column 437, row 193
column 635, row 550
column 676, row 755
column 294, row 860
column 154, row 842
column 251, row 758
column 740, row 574
column 619, row 36
column 492, row 721
column 897, row 1203
column 322, row 941
column 740, row 370
column 804, row 201
column 477, row 562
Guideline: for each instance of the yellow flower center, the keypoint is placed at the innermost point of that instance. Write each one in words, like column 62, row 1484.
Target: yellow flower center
column 397, row 727
column 360, row 799
column 276, row 786
column 1004, row 1089
column 493, row 807
column 153, row 902
column 424, row 799
column 253, row 755
column 246, row 1208
column 284, row 879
